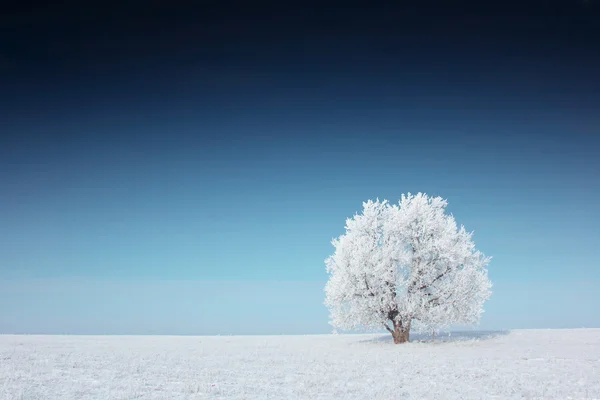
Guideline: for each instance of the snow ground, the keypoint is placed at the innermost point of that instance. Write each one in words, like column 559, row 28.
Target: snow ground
column 535, row 364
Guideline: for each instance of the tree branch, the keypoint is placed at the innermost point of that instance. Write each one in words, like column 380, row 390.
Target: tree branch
column 392, row 288
column 435, row 279
column 432, row 300
column 392, row 314
column 388, row 328
column 368, row 288
column 445, row 301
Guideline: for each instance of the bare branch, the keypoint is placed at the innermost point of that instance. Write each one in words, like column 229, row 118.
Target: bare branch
column 388, row 328
column 432, row 300
column 444, row 301
column 368, row 288
column 435, row 279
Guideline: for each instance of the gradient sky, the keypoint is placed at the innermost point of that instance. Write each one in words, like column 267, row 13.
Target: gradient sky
column 182, row 170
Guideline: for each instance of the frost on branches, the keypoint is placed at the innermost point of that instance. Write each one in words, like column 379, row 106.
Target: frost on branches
column 405, row 266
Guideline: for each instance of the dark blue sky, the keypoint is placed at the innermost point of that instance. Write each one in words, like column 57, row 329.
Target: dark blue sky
column 150, row 149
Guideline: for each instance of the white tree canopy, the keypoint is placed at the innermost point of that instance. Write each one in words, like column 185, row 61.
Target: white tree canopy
column 405, row 263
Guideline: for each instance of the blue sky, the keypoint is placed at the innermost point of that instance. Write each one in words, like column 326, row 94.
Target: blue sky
column 201, row 197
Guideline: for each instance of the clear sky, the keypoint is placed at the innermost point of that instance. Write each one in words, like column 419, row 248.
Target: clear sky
column 182, row 171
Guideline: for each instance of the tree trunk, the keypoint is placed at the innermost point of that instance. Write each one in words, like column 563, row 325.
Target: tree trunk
column 401, row 332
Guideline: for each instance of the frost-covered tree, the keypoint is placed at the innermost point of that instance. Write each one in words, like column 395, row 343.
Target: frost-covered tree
column 405, row 266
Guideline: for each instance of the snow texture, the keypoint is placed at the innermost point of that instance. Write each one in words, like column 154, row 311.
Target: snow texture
column 405, row 263
column 531, row 364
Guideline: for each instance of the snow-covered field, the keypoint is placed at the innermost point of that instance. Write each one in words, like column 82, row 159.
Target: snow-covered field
column 543, row 364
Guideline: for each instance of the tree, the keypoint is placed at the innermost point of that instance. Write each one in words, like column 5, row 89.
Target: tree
column 405, row 266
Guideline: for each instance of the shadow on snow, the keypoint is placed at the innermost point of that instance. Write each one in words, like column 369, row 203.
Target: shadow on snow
column 443, row 337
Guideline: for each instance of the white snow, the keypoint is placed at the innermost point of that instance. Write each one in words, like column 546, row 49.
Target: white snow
column 542, row 364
